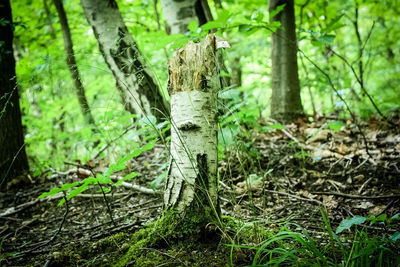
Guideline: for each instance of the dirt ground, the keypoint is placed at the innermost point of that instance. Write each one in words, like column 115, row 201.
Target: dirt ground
column 290, row 175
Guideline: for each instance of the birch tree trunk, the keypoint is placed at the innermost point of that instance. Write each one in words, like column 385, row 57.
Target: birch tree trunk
column 179, row 13
column 71, row 62
column 13, row 159
column 285, row 101
column 140, row 93
column 193, row 85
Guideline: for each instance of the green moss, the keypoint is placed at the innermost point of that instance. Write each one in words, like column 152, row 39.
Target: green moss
column 150, row 259
column 171, row 229
column 172, row 240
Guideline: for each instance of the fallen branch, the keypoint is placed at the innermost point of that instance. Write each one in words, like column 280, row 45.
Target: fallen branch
column 355, row 196
column 19, row 208
column 294, row 196
column 86, row 172
column 139, row 188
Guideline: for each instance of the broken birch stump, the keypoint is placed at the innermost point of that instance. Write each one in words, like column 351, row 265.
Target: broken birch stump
column 194, row 81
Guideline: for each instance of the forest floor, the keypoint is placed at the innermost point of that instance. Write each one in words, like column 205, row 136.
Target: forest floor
column 283, row 176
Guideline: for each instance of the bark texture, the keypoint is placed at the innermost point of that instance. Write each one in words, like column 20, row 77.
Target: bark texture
column 179, row 13
column 193, row 86
column 139, row 92
column 71, row 62
column 285, row 101
column 13, row 160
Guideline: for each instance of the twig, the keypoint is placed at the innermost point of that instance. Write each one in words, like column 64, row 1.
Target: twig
column 42, row 244
column 107, row 204
column 135, row 187
column 14, row 210
column 225, row 186
column 295, row 196
column 105, row 199
column 355, row 196
column 361, row 85
column 363, row 185
column 341, row 98
column 113, row 177
column 113, row 140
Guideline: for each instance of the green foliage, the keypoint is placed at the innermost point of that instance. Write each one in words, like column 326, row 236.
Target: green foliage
column 336, row 125
column 101, row 179
column 300, row 249
column 55, row 130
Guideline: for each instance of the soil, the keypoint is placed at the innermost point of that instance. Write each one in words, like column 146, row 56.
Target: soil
column 271, row 176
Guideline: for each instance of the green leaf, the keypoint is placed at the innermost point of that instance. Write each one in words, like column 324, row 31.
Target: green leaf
column 346, row 224
column 245, row 27
column 76, row 191
column 276, row 11
column 149, row 146
column 156, row 182
column 62, row 201
column 326, row 38
column 227, row 135
column 395, row 236
column 106, row 190
column 277, row 126
column 211, row 25
column 336, row 125
column 257, row 16
column 149, row 120
column 229, row 94
column 56, row 190
column 193, row 26
column 334, row 24
column 89, row 181
column 103, row 179
column 224, row 74
column 220, row 22
column 128, row 176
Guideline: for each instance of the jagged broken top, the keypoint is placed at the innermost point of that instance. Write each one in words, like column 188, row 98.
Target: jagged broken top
column 192, row 66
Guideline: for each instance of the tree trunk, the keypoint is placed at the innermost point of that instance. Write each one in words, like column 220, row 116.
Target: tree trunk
column 71, row 62
column 13, row 160
column 139, row 92
column 236, row 74
column 49, row 19
column 179, row 13
column 193, row 85
column 285, row 101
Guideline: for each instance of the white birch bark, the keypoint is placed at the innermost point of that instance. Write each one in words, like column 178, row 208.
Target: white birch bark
column 193, row 85
column 178, row 14
column 139, row 92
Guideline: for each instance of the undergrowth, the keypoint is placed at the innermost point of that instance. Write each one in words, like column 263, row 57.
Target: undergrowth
column 294, row 246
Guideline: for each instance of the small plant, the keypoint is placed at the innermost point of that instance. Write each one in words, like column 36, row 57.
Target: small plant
column 301, row 249
column 300, row 156
column 101, row 179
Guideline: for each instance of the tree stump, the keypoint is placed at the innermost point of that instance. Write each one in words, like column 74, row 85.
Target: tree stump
column 194, row 82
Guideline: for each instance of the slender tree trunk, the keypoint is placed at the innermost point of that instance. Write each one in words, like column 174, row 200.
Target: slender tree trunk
column 13, row 159
column 49, row 19
column 71, row 62
column 193, row 85
column 285, row 101
column 236, row 75
column 140, row 93
column 360, row 48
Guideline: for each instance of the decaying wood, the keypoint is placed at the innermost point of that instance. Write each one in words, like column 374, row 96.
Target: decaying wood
column 193, row 85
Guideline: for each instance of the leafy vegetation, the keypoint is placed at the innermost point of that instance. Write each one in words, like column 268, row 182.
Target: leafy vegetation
column 344, row 148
